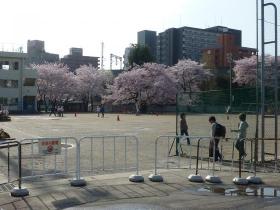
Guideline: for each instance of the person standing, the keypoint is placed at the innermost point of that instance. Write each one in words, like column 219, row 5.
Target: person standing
column 53, row 110
column 241, row 135
column 184, row 127
column 62, row 110
column 102, row 110
column 214, row 141
column 98, row 110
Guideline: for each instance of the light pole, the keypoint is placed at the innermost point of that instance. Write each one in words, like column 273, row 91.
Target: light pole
column 229, row 59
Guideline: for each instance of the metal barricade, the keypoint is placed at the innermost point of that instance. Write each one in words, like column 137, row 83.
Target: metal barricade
column 6, row 147
column 108, row 154
column 18, row 191
column 188, row 153
column 199, row 149
column 35, row 164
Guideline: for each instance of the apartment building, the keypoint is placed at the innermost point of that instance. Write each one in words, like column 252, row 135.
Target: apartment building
column 75, row 59
column 190, row 43
column 36, row 53
column 17, row 83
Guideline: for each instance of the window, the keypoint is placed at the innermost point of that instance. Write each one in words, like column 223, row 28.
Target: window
column 14, row 84
column 2, row 83
column 5, row 65
column 16, row 65
column 3, row 101
column 29, row 82
column 13, row 101
column 8, row 83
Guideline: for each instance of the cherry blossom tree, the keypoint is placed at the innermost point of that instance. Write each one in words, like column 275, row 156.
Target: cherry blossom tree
column 148, row 84
column 91, row 83
column 54, row 83
column 189, row 76
column 245, row 70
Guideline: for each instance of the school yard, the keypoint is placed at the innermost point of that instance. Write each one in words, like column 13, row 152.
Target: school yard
column 145, row 127
column 114, row 189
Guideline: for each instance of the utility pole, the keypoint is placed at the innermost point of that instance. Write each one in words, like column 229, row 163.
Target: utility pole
column 117, row 58
column 229, row 59
column 102, row 56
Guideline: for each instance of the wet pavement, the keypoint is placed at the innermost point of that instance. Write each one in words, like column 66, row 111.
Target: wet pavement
column 114, row 191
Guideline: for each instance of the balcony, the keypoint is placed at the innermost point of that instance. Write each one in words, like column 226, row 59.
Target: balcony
column 30, row 73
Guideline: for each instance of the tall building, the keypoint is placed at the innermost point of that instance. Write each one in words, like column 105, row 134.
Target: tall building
column 36, row 53
column 149, row 39
column 186, row 42
column 190, row 43
column 168, row 47
column 75, row 59
column 126, row 57
column 17, row 83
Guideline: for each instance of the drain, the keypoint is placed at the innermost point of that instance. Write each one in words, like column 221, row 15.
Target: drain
column 6, row 187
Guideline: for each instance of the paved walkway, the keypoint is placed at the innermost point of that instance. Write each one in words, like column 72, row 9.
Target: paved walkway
column 114, row 191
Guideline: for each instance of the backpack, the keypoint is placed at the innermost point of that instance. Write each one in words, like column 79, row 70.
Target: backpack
column 220, row 130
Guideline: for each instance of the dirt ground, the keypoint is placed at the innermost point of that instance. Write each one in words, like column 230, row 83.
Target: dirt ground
column 119, row 152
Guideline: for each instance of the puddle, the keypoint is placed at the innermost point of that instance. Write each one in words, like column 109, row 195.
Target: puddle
column 264, row 192
column 125, row 206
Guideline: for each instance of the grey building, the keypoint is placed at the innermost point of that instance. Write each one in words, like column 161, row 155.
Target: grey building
column 149, row 39
column 126, row 57
column 36, row 53
column 76, row 59
column 187, row 42
column 18, row 89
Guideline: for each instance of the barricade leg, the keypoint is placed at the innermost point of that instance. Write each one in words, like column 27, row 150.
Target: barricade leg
column 239, row 180
column 78, row 181
column 19, row 191
column 196, row 177
column 212, row 178
column 254, row 179
column 155, row 177
column 136, row 177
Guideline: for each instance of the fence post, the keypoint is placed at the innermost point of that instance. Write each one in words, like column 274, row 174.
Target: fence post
column 8, row 162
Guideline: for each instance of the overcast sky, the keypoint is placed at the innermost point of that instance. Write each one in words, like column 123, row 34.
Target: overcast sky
column 86, row 23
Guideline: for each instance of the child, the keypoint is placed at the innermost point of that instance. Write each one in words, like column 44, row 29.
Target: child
column 184, row 127
column 241, row 136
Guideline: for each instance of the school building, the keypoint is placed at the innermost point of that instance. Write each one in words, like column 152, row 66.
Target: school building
column 17, row 83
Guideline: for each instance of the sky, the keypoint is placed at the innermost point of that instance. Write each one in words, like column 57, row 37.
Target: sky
column 63, row 24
